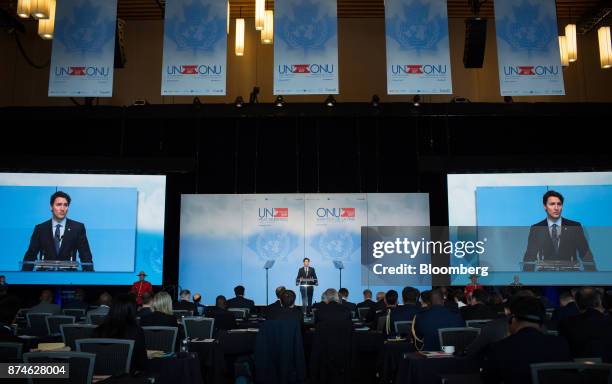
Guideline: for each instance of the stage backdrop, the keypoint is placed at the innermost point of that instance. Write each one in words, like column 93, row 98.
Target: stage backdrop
column 82, row 59
column 226, row 239
column 528, row 48
column 418, row 59
column 195, row 47
column 305, row 47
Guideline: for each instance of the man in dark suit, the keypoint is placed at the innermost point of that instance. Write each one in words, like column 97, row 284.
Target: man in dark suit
column 224, row 319
column 332, row 309
column 567, row 309
column 343, row 293
column 557, row 239
column 406, row 312
column 306, row 276
column 240, row 301
column 478, row 308
column 287, row 310
column 277, row 304
column 590, row 332
column 59, row 238
column 427, row 322
column 185, row 303
column 509, row 360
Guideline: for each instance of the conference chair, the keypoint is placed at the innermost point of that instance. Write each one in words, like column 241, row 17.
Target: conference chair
column 78, row 313
column 54, row 322
column 279, row 353
column 179, row 313
column 551, row 332
column 477, row 323
column 362, row 312
column 198, row 327
column 459, row 337
column 571, row 373
column 95, row 319
column 10, row 351
column 240, row 313
column 382, row 323
column 403, row 327
column 81, row 365
column 113, row 356
column 72, row 332
column 160, row 338
column 37, row 323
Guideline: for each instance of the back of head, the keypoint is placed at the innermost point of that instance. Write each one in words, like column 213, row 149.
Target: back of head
column 287, row 298
column 528, row 310
column 46, row 296
column 367, row 294
column 565, row 298
column 410, row 295
column 162, row 302
column 331, row 295
column 426, row 298
column 343, row 293
column 185, row 294
column 147, row 298
column 480, row 296
column 239, row 290
column 437, row 298
column 121, row 316
column 588, row 298
column 279, row 291
column 380, row 295
column 391, row 297
column 106, row 299
column 197, row 297
column 221, row 301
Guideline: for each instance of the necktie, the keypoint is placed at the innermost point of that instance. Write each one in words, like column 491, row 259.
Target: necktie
column 306, row 272
column 555, row 238
column 57, row 238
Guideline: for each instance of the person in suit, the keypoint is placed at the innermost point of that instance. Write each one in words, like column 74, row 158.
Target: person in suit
column 287, row 310
column 478, row 308
column 508, row 360
column 277, row 304
column 140, row 287
column 391, row 299
column 185, row 303
column 147, row 305
column 304, row 273
column 379, row 307
column 332, row 309
column 343, row 293
column 567, row 309
column 224, row 319
column 59, row 238
column 589, row 332
column 161, row 315
column 367, row 300
column 104, row 303
column 240, row 301
column 46, row 304
column 406, row 312
column 201, row 309
column 427, row 322
column 557, row 238
column 120, row 323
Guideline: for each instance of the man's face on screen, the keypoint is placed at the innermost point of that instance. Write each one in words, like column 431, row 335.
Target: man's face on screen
column 553, row 207
column 59, row 208
column 306, row 262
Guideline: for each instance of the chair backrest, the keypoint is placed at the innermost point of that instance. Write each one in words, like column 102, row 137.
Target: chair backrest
column 279, row 353
column 240, row 313
column 113, row 356
column 552, row 332
column 72, row 332
column 403, row 327
column 79, row 313
column 37, row 323
column 54, row 322
column 81, row 365
column 198, row 327
column 477, row 323
column 10, row 351
column 95, row 318
column 382, row 323
column 460, row 337
column 566, row 373
column 160, row 338
column 362, row 312
column 178, row 313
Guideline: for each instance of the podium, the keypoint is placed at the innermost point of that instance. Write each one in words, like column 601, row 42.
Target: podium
column 557, row 266
column 56, row 265
column 306, row 285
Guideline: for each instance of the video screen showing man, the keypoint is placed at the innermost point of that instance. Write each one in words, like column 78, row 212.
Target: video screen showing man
column 58, row 239
column 557, row 243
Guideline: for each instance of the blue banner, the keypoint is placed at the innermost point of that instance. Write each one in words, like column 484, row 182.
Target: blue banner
column 83, row 49
column 528, row 48
column 305, row 47
column 418, row 59
column 195, row 48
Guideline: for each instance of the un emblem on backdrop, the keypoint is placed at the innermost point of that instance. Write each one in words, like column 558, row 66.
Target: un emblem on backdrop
column 272, row 245
column 307, row 29
column 335, row 245
column 198, row 30
column 415, row 29
column 86, row 31
column 525, row 30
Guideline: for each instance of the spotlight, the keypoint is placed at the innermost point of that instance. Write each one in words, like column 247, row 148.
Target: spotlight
column 137, row 102
column 330, row 101
column 416, row 100
column 196, row 101
column 279, row 102
column 253, row 95
column 508, row 100
column 239, row 102
column 375, row 101
column 459, row 99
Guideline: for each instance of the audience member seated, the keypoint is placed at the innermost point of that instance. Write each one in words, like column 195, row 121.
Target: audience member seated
column 377, row 309
column 78, row 302
column 454, row 299
column 332, row 309
column 589, row 332
column 162, row 312
column 391, row 298
column 433, row 317
column 145, row 309
column 406, row 312
column 508, row 360
column 185, row 303
column 240, row 301
column 120, row 323
column 224, row 319
column 478, row 308
column 277, row 304
column 288, row 310
column 200, row 309
column 46, row 304
column 343, row 293
column 367, row 300
column 104, row 305
column 568, row 308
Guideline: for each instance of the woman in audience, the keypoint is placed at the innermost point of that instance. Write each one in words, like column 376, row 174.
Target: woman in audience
column 120, row 323
column 162, row 312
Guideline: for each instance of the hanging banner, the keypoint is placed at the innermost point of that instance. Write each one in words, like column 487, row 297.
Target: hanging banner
column 83, row 51
column 195, row 48
column 528, row 48
column 305, row 47
column 418, row 58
